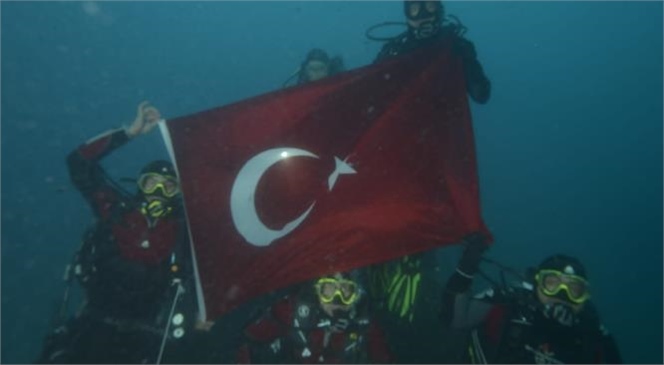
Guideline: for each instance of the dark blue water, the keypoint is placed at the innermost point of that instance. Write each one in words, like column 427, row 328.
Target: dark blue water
column 570, row 146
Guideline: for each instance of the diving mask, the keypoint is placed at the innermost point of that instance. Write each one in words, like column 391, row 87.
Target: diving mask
column 418, row 10
column 423, row 18
column 149, row 182
column 347, row 291
column 552, row 282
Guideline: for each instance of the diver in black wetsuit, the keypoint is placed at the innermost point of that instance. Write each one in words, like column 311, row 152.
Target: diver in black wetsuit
column 426, row 27
column 133, row 263
column 547, row 319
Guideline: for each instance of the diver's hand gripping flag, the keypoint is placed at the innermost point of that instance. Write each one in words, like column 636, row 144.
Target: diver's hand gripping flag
column 356, row 169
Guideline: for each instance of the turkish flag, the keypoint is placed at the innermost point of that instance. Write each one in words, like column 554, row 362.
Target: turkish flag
column 353, row 170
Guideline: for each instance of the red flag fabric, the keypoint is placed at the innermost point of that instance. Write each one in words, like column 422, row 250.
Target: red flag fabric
column 356, row 169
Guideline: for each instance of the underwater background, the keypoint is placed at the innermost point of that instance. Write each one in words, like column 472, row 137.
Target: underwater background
column 569, row 146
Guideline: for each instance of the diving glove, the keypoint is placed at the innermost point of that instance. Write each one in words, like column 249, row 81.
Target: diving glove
column 472, row 254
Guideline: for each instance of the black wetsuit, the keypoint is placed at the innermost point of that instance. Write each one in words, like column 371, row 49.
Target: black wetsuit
column 509, row 327
column 129, row 266
column 477, row 84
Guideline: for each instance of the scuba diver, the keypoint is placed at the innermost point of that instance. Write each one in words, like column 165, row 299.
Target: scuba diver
column 547, row 319
column 427, row 24
column 316, row 65
column 133, row 262
column 326, row 321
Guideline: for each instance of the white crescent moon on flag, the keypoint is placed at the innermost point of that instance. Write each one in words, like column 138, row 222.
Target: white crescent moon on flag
column 243, row 204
